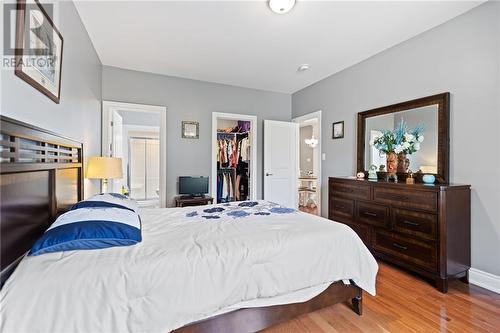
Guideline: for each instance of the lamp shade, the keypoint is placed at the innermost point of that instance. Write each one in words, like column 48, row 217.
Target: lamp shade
column 428, row 169
column 104, row 168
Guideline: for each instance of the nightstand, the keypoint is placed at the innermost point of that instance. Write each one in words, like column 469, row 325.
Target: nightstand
column 184, row 201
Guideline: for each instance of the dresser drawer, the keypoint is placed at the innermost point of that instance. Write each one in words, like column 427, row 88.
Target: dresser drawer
column 408, row 250
column 341, row 210
column 372, row 214
column 362, row 231
column 422, row 225
column 350, row 191
column 425, row 200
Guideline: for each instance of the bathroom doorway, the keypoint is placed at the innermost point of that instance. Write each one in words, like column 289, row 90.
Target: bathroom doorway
column 309, row 166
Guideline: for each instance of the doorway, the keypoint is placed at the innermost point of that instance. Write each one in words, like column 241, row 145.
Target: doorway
column 234, row 157
column 309, row 166
column 136, row 133
column 143, row 172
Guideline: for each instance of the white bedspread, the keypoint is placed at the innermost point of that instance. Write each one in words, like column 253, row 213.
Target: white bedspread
column 186, row 269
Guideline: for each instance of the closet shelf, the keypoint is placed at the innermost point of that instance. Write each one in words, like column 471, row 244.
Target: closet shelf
column 232, row 132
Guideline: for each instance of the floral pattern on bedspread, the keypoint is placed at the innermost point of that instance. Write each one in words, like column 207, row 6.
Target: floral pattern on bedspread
column 238, row 210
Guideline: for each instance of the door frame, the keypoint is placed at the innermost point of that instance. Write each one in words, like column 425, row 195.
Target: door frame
column 108, row 107
column 302, row 119
column 253, row 163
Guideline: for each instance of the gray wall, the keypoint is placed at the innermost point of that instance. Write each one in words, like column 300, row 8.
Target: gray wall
column 460, row 56
column 79, row 113
column 194, row 101
column 140, row 118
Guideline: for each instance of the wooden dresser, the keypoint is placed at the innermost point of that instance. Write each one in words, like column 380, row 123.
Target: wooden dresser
column 423, row 228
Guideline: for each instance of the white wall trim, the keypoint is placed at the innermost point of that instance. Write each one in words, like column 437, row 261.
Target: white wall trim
column 485, row 280
column 107, row 109
column 253, row 164
column 319, row 152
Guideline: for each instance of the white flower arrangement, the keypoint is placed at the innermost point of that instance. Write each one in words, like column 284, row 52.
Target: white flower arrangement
column 401, row 140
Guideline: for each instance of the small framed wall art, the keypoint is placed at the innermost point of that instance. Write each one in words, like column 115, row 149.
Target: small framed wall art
column 190, row 130
column 338, row 130
column 39, row 49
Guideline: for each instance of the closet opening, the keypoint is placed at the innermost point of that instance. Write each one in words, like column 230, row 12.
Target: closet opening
column 234, row 157
column 309, row 166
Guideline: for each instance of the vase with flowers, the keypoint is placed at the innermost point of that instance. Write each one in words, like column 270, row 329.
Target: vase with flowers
column 396, row 145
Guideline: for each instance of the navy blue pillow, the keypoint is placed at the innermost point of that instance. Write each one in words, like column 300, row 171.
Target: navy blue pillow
column 93, row 226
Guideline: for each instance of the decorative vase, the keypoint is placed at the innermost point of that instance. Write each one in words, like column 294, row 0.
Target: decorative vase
column 403, row 163
column 392, row 164
column 428, row 179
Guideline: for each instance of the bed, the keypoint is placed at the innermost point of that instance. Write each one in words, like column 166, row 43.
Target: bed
column 239, row 267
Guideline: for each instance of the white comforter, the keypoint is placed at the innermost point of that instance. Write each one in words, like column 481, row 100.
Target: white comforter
column 187, row 268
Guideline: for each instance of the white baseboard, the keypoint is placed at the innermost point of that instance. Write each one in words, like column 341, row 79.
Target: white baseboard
column 484, row 279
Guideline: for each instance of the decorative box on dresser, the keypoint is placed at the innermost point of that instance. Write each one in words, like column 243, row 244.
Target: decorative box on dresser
column 423, row 228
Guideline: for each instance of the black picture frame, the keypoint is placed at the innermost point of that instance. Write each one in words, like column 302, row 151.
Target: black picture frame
column 338, row 134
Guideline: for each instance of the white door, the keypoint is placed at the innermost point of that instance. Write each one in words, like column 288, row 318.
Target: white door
column 117, row 148
column 280, row 162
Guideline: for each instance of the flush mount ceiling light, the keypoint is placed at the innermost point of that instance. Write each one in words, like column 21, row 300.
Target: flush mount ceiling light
column 303, row 67
column 281, row 6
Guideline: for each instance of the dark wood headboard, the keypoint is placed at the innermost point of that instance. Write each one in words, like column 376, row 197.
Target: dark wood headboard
column 41, row 177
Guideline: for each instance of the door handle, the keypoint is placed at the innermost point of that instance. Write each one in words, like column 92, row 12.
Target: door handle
column 268, row 174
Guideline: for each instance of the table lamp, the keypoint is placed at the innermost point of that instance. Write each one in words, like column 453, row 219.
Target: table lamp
column 104, row 168
column 428, row 169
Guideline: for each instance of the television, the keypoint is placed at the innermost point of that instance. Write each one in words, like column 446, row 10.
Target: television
column 193, row 186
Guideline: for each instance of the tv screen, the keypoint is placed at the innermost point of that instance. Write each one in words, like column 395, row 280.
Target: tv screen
column 193, row 185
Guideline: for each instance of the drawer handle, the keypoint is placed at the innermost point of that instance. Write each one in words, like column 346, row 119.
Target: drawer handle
column 411, row 223
column 399, row 246
column 348, row 190
column 370, row 214
column 397, row 197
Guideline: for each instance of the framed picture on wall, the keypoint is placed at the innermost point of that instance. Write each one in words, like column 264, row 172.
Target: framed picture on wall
column 190, row 130
column 338, row 130
column 39, row 49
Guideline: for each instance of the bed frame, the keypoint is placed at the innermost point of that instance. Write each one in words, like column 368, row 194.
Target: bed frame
column 41, row 177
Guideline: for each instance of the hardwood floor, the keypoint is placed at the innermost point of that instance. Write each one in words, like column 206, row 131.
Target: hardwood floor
column 406, row 303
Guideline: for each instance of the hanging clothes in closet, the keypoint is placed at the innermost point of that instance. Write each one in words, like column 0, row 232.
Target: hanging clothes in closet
column 233, row 155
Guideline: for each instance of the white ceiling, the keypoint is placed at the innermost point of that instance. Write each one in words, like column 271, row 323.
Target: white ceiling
column 243, row 43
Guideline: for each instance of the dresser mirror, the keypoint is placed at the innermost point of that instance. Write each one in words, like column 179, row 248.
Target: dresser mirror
column 406, row 137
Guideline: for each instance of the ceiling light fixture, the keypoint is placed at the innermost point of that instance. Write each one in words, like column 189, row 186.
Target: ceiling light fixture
column 312, row 142
column 303, row 67
column 281, row 6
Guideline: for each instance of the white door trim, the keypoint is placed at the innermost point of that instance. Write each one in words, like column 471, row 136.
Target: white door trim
column 253, row 163
column 107, row 109
column 301, row 119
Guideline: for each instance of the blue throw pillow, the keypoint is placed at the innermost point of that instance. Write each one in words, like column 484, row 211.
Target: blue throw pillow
column 86, row 228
